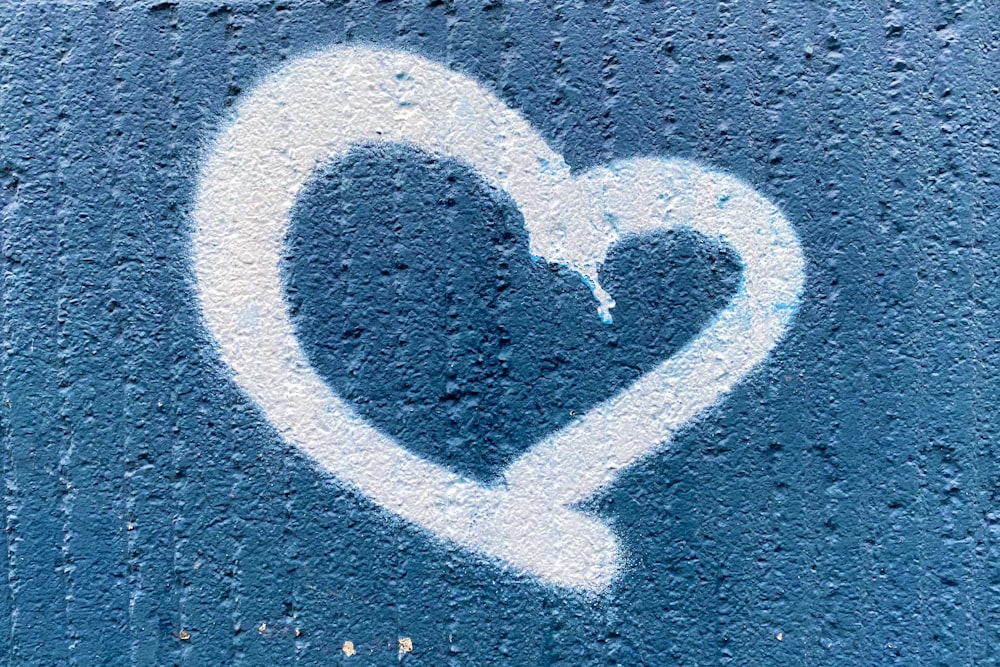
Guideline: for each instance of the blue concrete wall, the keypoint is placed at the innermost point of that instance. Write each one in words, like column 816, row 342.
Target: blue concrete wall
column 838, row 508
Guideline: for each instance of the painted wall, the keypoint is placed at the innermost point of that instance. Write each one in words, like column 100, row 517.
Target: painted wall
column 835, row 505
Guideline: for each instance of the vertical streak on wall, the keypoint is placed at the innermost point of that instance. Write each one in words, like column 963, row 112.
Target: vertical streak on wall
column 144, row 239
column 842, row 56
column 242, row 642
column 66, row 126
column 895, row 151
column 117, row 306
column 453, row 50
column 292, row 551
column 184, row 461
column 959, row 467
column 8, row 259
column 985, row 379
column 34, row 513
column 757, row 42
column 611, row 62
column 93, row 540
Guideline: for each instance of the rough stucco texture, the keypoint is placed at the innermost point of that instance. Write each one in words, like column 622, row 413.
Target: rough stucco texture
column 840, row 507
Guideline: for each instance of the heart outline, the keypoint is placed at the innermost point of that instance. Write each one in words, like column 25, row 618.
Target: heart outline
column 249, row 183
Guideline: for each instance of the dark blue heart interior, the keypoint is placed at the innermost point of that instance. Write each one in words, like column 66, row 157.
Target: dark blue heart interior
column 414, row 295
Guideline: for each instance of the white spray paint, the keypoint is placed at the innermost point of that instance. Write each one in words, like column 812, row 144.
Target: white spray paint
column 318, row 108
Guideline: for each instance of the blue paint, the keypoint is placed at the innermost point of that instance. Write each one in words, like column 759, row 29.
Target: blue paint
column 844, row 496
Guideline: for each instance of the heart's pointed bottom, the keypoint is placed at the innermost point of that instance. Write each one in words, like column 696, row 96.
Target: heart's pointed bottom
column 558, row 545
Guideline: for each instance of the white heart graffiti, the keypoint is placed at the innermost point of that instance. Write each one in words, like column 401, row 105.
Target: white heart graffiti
column 320, row 106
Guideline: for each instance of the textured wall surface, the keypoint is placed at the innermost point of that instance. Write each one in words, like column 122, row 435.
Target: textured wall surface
column 841, row 506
